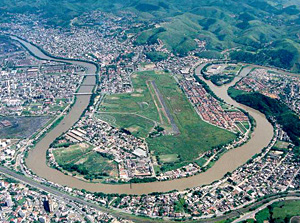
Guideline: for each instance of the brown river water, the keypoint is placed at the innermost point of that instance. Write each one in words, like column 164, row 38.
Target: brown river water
column 234, row 158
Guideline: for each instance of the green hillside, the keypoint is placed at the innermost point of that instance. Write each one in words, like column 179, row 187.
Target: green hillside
column 264, row 32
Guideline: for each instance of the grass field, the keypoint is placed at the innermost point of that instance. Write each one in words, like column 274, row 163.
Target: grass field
column 246, row 124
column 221, row 74
column 200, row 162
column 262, row 215
column 279, row 212
column 196, row 136
column 281, row 144
column 139, row 110
column 137, row 125
column 139, row 102
column 169, row 158
column 81, row 159
column 241, row 127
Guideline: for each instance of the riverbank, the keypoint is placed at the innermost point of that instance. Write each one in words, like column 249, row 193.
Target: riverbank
column 232, row 159
column 197, row 180
column 36, row 160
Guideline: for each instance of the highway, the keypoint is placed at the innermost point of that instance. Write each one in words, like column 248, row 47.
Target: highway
column 252, row 214
column 66, row 197
column 70, row 199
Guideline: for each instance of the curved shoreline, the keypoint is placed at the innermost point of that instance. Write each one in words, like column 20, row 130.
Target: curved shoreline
column 232, row 159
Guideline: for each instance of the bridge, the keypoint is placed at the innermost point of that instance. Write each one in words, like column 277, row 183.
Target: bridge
column 87, row 74
column 88, row 85
column 83, row 93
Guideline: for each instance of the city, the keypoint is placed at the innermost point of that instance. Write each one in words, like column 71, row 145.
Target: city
column 105, row 120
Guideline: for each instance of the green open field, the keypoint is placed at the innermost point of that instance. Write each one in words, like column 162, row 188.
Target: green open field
column 227, row 68
column 241, row 127
column 224, row 75
column 137, row 125
column 140, row 110
column 281, row 144
column 81, row 159
column 279, row 212
column 196, row 136
column 232, row 68
column 169, row 158
column 200, row 162
column 246, row 125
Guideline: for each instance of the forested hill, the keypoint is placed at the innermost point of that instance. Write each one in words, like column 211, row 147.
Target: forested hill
column 262, row 32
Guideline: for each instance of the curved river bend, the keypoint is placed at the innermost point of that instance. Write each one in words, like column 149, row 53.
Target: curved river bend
column 36, row 160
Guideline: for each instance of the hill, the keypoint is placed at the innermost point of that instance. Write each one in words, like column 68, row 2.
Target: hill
column 257, row 31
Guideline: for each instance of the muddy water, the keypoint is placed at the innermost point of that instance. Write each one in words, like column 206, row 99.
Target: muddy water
column 36, row 160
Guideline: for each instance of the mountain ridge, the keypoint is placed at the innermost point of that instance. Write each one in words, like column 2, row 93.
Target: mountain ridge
column 258, row 29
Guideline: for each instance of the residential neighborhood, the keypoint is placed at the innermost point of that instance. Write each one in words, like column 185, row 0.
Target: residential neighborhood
column 278, row 85
column 130, row 153
column 272, row 172
column 34, row 87
column 101, row 171
column 22, row 203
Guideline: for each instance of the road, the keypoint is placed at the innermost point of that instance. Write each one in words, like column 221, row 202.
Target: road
column 175, row 129
column 68, row 198
column 71, row 199
column 252, row 214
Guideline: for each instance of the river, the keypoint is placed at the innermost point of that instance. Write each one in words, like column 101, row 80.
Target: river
column 234, row 158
